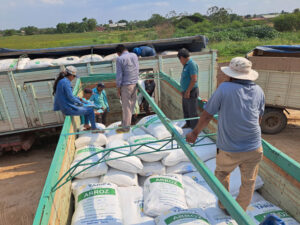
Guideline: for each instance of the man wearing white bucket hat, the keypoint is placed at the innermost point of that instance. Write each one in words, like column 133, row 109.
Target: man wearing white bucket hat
column 239, row 103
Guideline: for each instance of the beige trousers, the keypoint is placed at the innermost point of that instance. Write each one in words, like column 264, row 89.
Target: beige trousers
column 128, row 97
column 248, row 163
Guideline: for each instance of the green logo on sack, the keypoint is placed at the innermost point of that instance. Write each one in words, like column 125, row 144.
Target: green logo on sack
column 144, row 139
column 181, row 216
column 95, row 192
column 166, row 180
column 281, row 214
column 88, row 150
column 147, row 124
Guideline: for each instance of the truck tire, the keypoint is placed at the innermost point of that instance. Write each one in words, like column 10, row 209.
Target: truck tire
column 273, row 121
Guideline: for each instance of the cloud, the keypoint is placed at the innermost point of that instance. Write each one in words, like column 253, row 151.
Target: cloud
column 143, row 5
column 53, row 2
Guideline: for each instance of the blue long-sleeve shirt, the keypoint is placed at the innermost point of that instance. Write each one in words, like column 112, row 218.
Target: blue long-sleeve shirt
column 64, row 98
column 100, row 99
column 127, row 69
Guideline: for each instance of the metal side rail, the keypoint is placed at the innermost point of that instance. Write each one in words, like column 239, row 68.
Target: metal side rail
column 223, row 195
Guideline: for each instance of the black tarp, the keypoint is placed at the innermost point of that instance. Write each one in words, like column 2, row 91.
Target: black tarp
column 193, row 44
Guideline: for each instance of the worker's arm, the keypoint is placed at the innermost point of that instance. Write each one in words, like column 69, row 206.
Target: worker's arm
column 69, row 95
column 119, row 75
column 191, row 85
column 202, row 123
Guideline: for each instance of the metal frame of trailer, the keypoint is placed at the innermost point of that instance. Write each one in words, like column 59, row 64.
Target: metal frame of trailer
column 55, row 204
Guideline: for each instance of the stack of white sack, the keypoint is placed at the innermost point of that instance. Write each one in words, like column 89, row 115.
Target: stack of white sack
column 96, row 139
column 146, row 151
column 259, row 210
column 66, row 60
column 216, row 216
column 169, row 53
column 97, row 204
column 38, row 63
column 176, row 216
column 13, row 64
column 116, row 158
column 89, row 167
column 152, row 125
column 132, row 205
column 162, row 193
column 77, row 182
column 91, row 58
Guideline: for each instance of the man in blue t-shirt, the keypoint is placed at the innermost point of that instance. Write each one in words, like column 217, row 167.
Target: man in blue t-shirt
column 240, row 104
column 189, row 86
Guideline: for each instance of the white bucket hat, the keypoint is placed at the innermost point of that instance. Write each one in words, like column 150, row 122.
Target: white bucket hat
column 71, row 70
column 240, row 68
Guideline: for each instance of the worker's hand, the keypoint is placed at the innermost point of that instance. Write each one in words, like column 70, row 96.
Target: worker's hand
column 191, row 137
column 187, row 94
column 119, row 92
column 81, row 99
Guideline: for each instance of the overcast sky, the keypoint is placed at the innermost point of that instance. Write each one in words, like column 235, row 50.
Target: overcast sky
column 47, row 13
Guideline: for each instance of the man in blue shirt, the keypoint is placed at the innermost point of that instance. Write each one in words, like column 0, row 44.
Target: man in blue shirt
column 144, row 51
column 239, row 103
column 99, row 98
column 189, row 86
column 126, row 79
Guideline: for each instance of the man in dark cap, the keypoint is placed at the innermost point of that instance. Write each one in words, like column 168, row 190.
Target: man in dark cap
column 189, row 85
column 99, row 98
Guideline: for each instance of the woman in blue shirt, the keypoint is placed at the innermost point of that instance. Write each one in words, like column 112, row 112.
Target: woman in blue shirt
column 69, row 104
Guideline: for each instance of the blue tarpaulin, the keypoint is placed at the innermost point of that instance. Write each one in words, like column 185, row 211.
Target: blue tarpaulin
column 279, row 48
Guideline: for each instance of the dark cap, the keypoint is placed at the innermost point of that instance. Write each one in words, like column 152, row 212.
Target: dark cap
column 88, row 91
column 100, row 85
column 183, row 53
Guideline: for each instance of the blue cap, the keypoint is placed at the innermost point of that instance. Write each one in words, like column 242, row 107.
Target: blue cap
column 100, row 85
column 137, row 51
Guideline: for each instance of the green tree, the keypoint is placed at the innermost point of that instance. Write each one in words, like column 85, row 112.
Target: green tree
column 123, row 21
column 218, row 15
column 62, row 28
column 286, row 22
column 30, row 30
column 9, row 32
column 184, row 23
column 91, row 24
column 155, row 19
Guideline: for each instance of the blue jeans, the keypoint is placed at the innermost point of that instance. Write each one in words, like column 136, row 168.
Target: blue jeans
column 87, row 112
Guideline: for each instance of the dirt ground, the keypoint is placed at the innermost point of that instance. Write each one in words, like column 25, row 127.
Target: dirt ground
column 22, row 177
column 23, row 174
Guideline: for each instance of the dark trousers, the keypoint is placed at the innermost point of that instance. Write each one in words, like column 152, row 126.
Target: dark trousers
column 190, row 107
column 102, row 118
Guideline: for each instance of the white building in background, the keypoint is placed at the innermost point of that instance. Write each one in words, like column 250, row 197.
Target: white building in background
column 112, row 25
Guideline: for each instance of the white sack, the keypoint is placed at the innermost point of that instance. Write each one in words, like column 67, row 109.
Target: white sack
column 169, row 53
column 131, row 164
column 162, row 193
column 97, row 139
column 196, row 195
column 149, row 157
column 120, row 178
column 259, row 210
column 152, row 168
column 216, row 216
column 97, row 204
column 76, row 183
column 66, row 60
column 91, row 58
column 152, row 125
column 38, row 63
column 181, row 168
column 132, row 205
column 13, row 64
column 110, row 57
column 114, row 127
column 182, row 216
column 94, row 171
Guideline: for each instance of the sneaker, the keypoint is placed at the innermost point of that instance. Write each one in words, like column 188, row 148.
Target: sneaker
column 122, row 130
